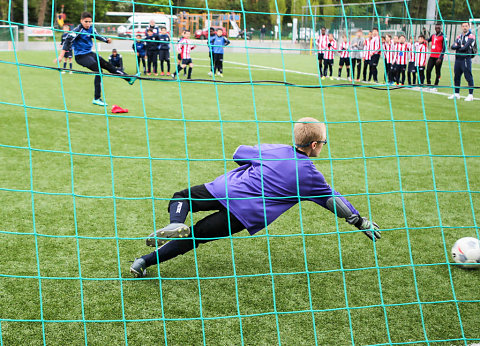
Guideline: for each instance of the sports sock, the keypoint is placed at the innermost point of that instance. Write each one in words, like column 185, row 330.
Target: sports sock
column 178, row 211
column 190, row 72
column 168, row 251
column 71, row 66
column 348, row 72
column 65, row 64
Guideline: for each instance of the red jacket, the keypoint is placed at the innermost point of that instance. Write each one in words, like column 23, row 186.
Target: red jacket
column 438, row 45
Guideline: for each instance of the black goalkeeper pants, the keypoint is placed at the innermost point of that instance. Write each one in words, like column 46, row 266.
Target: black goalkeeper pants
column 92, row 62
column 220, row 224
column 217, row 62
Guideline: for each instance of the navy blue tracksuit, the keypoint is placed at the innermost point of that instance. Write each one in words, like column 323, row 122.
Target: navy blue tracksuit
column 463, row 59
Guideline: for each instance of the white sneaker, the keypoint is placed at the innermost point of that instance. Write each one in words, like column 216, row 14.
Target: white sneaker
column 71, row 72
column 454, row 96
column 433, row 90
column 469, row 97
column 338, row 78
column 63, row 72
column 220, row 74
column 210, row 73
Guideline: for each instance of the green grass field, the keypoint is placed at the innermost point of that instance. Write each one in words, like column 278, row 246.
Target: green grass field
column 93, row 185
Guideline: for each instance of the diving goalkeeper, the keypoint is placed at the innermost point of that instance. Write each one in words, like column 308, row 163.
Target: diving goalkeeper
column 271, row 179
column 81, row 40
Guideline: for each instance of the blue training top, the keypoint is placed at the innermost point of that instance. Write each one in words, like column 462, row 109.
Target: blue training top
column 217, row 43
column 286, row 175
column 81, row 40
column 140, row 47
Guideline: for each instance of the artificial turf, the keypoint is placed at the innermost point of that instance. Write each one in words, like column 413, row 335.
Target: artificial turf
column 80, row 189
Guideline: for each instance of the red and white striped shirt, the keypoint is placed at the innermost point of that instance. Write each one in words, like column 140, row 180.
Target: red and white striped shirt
column 401, row 54
column 389, row 52
column 344, row 52
column 322, row 43
column 184, row 48
column 421, row 55
column 330, row 52
column 374, row 45
column 412, row 49
column 366, row 50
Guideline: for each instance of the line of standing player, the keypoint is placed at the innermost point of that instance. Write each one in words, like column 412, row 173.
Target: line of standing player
column 401, row 58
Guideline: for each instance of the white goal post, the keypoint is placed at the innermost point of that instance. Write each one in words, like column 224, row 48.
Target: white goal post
column 8, row 37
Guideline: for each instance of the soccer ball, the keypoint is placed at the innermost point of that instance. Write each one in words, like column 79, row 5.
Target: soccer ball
column 467, row 252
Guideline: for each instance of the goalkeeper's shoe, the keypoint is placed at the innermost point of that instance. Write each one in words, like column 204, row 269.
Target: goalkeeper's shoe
column 99, row 102
column 138, row 268
column 163, row 235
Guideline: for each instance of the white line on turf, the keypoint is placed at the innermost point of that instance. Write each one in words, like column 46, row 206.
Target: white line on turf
column 260, row 67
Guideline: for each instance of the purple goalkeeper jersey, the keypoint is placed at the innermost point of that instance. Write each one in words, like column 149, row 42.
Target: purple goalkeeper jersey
column 288, row 176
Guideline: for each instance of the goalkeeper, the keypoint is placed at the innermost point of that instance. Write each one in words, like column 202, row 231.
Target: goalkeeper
column 271, row 179
column 81, row 40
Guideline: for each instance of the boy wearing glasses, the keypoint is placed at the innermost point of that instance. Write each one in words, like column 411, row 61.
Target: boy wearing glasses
column 270, row 180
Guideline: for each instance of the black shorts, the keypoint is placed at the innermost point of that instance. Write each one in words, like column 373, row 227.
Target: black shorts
column 411, row 67
column 320, row 56
column 374, row 59
column 68, row 54
column 400, row 68
column 328, row 61
column 164, row 54
column 179, row 57
column 187, row 61
column 344, row 61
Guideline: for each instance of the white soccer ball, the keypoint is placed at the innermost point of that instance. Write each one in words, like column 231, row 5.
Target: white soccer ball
column 466, row 251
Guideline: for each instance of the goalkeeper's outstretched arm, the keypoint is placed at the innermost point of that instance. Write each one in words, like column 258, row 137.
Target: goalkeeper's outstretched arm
column 341, row 207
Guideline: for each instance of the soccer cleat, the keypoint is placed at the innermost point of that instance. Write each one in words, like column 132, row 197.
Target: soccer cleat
column 149, row 74
column 71, row 72
column 331, row 78
column 174, row 230
column 168, row 73
column 338, row 78
column 162, row 74
column 323, row 77
column 63, row 72
column 454, row 96
column 132, row 79
column 138, row 268
column 99, row 102
column 210, row 73
column 469, row 97
column 173, row 75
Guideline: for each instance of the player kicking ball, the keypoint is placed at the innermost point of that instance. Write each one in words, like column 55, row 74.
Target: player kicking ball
column 81, row 39
column 283, row 174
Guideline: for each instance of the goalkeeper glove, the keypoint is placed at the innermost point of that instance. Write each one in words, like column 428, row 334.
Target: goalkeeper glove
column 370, row 228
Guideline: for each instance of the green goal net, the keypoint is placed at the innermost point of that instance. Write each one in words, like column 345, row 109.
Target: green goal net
column 81, row 188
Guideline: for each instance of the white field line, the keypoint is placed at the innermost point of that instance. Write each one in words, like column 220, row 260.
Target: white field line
column 260, row 67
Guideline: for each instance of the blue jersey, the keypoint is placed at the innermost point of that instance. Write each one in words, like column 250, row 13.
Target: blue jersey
column 64, row 37
column 270, row 180
column 140, row 47
column 81, row 40
column 164, row 41
column 217, row 43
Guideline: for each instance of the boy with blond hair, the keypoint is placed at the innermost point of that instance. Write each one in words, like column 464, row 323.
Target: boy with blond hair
column 270, row 179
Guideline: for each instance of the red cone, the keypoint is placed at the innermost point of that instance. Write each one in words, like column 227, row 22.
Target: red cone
column 118, row 109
